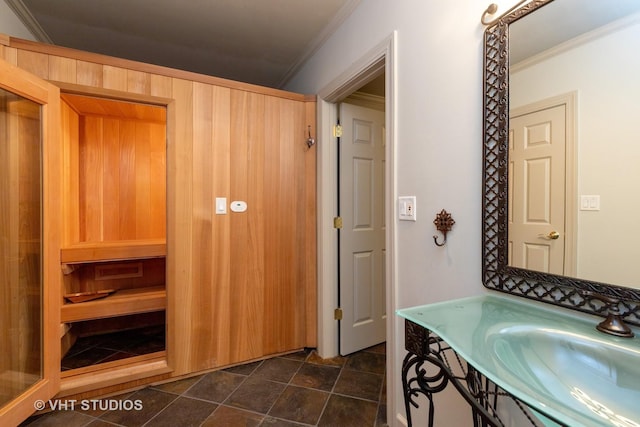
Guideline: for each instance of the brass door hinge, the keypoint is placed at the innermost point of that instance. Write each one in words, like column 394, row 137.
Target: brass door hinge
column 337, row 222
column 337, row 131
column 337, row 314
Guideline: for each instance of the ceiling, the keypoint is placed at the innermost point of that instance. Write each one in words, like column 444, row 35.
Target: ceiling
column 255, row 41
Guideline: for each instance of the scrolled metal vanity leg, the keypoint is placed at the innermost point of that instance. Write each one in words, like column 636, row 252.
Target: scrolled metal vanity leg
column 411, row 361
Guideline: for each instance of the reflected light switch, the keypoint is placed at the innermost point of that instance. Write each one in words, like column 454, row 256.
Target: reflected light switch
column 590, row 203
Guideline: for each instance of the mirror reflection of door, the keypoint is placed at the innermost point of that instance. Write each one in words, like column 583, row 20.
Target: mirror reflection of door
column 537, row 187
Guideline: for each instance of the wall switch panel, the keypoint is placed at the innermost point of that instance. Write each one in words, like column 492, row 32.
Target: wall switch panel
column 407, row 208
column 590, row 203
column 221, row 205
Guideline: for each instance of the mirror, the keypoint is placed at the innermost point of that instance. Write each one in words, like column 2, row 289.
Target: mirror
column 560, row 152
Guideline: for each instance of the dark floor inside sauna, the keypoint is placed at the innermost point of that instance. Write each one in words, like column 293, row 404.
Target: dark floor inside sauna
column 103, row 348
column 299, row 389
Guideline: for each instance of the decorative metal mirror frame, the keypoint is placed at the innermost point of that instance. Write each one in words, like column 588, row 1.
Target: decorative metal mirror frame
column 496, row 274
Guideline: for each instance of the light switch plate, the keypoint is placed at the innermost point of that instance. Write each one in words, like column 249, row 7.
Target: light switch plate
column 407, row 208
column 590, row 203
column 221, row 205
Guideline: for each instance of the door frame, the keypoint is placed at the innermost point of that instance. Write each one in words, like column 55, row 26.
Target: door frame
column 368, row 66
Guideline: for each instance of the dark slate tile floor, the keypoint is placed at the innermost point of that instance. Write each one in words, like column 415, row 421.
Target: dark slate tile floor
column 96, row 349
column 299, row 389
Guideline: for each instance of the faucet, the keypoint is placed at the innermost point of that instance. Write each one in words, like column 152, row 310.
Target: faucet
column 613, row 324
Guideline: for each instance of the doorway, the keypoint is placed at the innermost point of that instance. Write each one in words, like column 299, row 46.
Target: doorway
column 361, row 202
column 380, row 59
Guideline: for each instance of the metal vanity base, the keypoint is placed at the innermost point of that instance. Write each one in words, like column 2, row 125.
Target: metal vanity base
column 431, row 365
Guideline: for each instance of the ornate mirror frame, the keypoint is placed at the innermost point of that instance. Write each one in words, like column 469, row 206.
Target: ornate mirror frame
column 496, row 274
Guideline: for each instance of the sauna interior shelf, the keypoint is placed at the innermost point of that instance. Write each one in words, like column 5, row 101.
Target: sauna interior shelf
column 122, row 302
column 113, row 251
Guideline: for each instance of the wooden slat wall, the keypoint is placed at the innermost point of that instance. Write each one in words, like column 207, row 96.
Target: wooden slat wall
column 122, row 177
column 243, row 285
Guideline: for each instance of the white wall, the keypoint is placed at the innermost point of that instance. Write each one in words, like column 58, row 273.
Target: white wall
column 11, row 25
column 604, row 72
column 439, row 146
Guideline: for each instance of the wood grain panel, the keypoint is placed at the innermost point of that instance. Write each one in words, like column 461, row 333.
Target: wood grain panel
column 181, row 306
column 138, row 82
column 70, row 128
column 62, row 69
column 91, row 184
column 248, row 290
column 122, row 180
column 310, row 244
column 220, row 258
column 114, row 78
column 111, row 180
column 9, row 54
column 201, row 264
column 89, row 73
column 160, row 86
column 34, row 62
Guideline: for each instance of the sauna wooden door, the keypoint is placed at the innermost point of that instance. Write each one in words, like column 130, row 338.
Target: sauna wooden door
column 29, row 244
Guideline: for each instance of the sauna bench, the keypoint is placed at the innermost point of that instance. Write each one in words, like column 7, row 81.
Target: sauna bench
column 122, row 302
column 89, row 252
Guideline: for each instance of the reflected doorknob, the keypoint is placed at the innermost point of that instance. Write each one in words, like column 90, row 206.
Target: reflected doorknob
column 554, row 235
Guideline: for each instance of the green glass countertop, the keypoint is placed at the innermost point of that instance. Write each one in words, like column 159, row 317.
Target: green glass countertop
column 551, row 358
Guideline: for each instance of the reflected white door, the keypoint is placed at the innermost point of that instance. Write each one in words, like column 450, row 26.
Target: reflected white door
column 537, row 190
column 362, row 237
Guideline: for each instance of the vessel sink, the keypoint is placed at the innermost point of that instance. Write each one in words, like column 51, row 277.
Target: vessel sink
column 550, row 358
column 586, row 372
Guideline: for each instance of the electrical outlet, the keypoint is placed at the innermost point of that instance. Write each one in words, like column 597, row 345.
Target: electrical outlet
column 407, row 208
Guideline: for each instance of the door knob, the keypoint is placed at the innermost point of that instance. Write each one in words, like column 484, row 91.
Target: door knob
column 553, row 235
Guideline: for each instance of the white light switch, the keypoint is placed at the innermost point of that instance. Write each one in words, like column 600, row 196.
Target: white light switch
column 407, row 208
column 590, row 203
column 221, row 205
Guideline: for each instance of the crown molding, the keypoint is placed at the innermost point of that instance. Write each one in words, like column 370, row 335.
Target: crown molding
column 24, row 14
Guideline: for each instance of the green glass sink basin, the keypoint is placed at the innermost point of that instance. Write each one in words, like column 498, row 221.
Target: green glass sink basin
column 553, row 359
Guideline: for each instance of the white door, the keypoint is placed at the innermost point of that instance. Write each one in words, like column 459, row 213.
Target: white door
column 362, row 237
column 537, row 190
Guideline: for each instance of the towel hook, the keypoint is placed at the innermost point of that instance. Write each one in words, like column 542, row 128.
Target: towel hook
column 310, row 140
column 443, row 223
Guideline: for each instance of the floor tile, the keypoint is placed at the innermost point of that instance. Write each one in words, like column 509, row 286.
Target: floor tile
column 215, row 386
column 300, row 404
column 368, row 362
column 316, row 376
column 246, row 369
column 256, row 394
column 152, row 402
column 278, row 369
column 57, row 419
column 178, row 386
column 225, row 416
column 346, row 411
column 364, row 385
column 190, row 413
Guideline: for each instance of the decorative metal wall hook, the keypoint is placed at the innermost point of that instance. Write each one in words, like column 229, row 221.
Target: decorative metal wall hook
column 443, row 223
column 310, row 140
column 493, row 8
